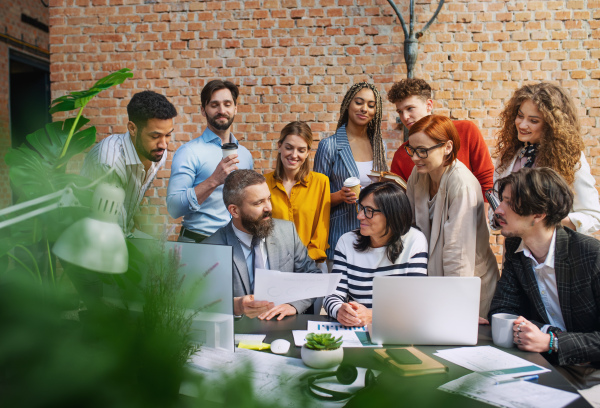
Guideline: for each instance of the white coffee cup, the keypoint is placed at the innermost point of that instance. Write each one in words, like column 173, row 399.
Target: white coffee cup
column 502, row 329
column 228, row 149
column 353, row 183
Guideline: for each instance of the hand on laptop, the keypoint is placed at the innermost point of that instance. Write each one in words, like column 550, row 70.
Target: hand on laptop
column 354, row 314
column 248, row 306
column 282, row 310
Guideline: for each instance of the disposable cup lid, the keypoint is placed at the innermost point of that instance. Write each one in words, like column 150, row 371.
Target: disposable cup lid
column 351, row 182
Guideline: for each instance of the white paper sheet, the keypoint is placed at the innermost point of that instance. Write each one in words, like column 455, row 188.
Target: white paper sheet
column 249, row 338
column 334, row 327
column 592, row 395
column 490, row 361
column 284, row 287
column 351, row 336
column 519, row 394
column 270, row 375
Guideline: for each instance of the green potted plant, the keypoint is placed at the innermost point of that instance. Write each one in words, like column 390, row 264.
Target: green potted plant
column 322, row 350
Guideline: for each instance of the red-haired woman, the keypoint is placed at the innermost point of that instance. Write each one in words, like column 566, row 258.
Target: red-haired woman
column 448, row 207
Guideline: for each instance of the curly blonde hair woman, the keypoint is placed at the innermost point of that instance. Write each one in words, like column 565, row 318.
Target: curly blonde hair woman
column 540, row 128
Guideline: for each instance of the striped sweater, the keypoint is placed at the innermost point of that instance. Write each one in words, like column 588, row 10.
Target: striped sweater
column 359, row 268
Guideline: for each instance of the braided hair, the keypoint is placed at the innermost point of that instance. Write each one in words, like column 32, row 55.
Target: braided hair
column 374, row 126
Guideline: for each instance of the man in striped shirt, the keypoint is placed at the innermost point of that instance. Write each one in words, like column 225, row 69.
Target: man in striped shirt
column 135, row 156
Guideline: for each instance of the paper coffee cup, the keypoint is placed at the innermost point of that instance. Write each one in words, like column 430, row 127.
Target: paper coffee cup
column 353, row 183
column 502, row 329
column 229, row 149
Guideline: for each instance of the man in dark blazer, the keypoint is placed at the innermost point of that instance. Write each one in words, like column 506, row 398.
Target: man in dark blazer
column 259, row 240
column 551, row 274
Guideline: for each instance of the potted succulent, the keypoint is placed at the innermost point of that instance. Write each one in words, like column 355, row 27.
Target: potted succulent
column 322, row 350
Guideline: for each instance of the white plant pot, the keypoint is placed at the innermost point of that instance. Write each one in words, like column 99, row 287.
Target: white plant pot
column 321, row 358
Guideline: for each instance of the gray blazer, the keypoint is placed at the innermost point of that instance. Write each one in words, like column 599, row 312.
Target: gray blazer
column 459, row 239
column 285, row 252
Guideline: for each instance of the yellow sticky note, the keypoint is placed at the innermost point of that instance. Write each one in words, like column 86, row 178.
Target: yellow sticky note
column 254, row 346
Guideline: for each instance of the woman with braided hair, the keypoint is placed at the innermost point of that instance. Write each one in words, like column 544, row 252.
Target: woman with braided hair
column 540, row 128
column 354, row 150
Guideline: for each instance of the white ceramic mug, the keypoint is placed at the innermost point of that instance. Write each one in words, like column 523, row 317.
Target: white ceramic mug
column 502, row 329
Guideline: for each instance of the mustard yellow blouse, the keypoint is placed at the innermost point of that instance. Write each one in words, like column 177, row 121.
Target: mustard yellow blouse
column 308, row 207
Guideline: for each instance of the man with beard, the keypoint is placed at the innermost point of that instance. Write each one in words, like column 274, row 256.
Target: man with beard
column 259, row 241
column 551, row 275
column 135, row 156
column 198, row 170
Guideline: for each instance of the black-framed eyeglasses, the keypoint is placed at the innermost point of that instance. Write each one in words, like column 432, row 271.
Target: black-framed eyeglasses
column 369, row 212
column 422, row 153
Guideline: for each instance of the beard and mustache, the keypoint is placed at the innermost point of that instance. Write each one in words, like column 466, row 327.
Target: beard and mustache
column 261, row 226
column 212, row 120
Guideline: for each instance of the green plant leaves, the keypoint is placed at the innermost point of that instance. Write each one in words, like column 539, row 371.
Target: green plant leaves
column 323, row 341
column 36, row 169
column 76, row 100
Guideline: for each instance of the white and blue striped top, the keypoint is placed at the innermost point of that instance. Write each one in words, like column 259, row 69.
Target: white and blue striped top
column 359, row 268
column 118, row 152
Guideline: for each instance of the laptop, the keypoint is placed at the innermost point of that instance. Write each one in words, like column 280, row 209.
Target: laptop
column 425, row 310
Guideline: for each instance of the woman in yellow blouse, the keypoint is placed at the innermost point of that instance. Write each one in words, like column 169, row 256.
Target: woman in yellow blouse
column 298, row 194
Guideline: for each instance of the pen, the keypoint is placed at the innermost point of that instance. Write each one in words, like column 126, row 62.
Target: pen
column 524, row 378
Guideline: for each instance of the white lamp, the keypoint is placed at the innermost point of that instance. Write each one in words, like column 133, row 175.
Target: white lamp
column 97, row 242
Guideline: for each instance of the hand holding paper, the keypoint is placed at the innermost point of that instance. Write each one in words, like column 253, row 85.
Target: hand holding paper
column 285, row 287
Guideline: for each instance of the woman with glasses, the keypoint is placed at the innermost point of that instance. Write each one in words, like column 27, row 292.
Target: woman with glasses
column 298, row 194
column 354, row 150
column 385, row 244
column 448, row 207
column 540, row 128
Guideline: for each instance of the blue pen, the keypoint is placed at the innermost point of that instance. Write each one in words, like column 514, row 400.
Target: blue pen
column 524, row 378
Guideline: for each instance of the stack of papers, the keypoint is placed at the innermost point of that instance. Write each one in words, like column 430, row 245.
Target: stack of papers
column 493, row 365
column 490, row 361
column 518, row 394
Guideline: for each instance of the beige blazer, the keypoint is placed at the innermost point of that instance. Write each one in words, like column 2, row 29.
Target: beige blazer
column 458, row 236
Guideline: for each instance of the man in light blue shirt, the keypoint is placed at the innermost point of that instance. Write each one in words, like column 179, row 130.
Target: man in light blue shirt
column 198, row 170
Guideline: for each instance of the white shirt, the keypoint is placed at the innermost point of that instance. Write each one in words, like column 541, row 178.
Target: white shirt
column 364, row 168
column 118, row 152
column 246, row 243
column 546, row 281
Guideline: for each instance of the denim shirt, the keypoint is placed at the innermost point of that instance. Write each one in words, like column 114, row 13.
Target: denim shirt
column 193, row 163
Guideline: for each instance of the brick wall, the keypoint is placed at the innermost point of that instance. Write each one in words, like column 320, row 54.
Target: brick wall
column 11, row 26
column 294, row 59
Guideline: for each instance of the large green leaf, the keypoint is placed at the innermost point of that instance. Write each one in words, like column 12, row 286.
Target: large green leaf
column 35, row 168
column 76, row 100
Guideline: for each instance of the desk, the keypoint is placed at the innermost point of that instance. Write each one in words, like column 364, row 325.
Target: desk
column 403, row 391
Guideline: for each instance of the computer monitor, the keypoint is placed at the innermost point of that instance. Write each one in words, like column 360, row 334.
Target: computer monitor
column 208, row 275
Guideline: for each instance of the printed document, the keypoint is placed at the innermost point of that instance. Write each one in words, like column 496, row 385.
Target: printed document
column 285, row 287
column 518, row 394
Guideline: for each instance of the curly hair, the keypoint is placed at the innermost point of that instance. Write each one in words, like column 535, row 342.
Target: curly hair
column 147, row 105
column 409, row 87
column 374, row 126
column 561, row 143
